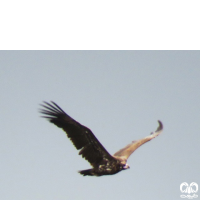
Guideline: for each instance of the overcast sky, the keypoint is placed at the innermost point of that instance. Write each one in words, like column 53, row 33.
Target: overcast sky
column 119, row 95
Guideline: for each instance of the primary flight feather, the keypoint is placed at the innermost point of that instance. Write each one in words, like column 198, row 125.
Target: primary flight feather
column 90, row 148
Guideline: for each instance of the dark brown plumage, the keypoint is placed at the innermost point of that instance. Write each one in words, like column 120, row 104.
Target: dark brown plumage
column 90, row 148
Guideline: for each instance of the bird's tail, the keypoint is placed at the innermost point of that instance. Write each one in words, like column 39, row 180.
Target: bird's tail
column 87, row 172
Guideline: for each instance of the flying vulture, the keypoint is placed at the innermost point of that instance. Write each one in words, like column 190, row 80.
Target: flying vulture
column 90, row 148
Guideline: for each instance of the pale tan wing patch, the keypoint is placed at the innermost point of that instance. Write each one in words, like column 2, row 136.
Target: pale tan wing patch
column 130, row 148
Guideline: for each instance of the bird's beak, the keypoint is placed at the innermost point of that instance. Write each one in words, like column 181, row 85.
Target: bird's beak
column 126, row 166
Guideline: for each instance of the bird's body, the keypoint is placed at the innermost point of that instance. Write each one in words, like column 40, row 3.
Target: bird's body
column 90, row 148
column 107, row 167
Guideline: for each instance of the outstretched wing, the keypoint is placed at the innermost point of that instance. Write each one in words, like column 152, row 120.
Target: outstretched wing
column 129, row 149
column 81, row 136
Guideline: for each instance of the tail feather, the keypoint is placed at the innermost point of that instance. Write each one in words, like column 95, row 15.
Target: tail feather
column 87, row 172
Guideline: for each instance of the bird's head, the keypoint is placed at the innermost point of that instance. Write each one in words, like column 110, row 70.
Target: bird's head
column 126, row 166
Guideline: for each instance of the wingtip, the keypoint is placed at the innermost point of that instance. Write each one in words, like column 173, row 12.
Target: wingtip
column 159, row 129
column 160, row 126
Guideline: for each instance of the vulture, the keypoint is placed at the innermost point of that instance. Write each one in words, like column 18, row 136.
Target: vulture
column 90, row 148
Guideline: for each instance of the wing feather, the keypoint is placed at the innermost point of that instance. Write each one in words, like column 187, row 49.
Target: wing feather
column 130, row 148
column 82, row 137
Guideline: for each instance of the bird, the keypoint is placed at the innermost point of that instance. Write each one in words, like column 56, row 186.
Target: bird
column 102, row 162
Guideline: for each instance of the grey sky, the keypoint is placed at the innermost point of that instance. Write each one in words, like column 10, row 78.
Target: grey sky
column 119, row 95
